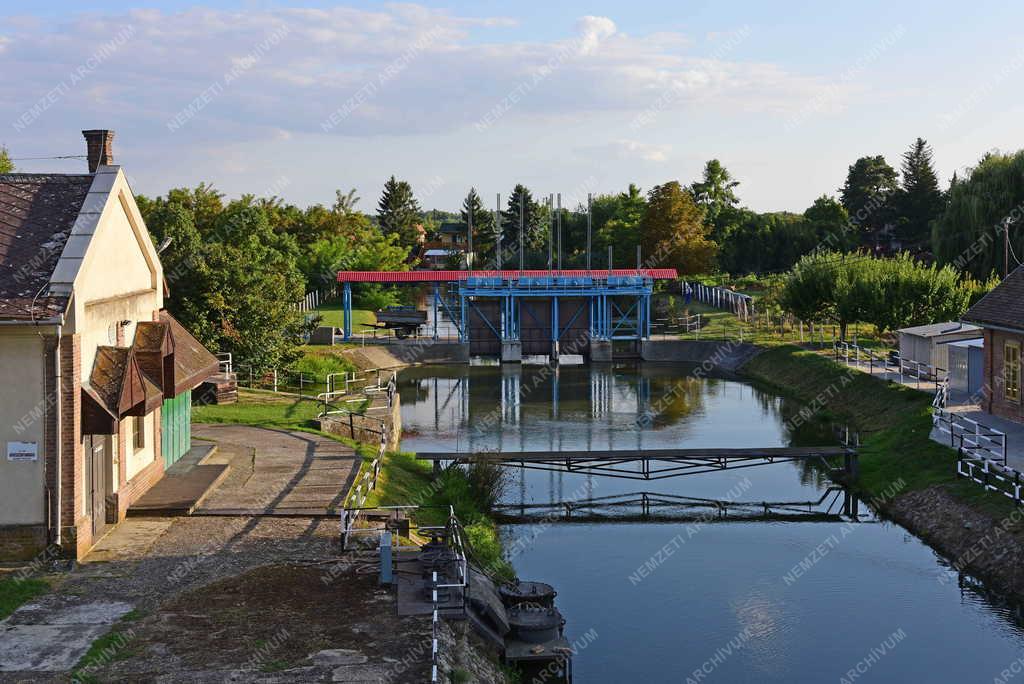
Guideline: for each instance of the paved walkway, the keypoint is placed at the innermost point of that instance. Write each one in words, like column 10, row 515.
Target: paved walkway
column 278, row 490
column 277, row 472
column 1014, row 431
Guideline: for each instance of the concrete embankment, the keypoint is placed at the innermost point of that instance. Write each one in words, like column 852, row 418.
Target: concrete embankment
column 726, row 356
column 407, row 353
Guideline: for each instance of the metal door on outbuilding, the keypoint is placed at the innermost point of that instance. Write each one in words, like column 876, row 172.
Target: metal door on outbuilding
column 176, row 428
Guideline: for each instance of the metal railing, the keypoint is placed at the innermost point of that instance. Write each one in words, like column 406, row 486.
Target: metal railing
column 357, row 497
column 862, row 357
column 994, row 477
column 973, row 439
column 225, row 363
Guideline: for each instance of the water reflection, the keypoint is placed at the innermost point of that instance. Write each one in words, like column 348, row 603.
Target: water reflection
column 720, row 581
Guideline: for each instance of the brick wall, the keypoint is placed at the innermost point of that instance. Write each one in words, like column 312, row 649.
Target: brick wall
column 22, row 542
column 995, row 342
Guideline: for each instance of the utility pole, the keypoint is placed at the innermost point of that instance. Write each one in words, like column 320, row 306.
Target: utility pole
column 1006, row 248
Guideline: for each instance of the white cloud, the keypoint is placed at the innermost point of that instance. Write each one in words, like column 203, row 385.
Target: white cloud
column 623, row 149
column 430, row 71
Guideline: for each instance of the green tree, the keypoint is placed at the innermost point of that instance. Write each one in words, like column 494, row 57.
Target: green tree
column 534, row 222
column 868, row 196
column 616, row 223
column 233, row 281
column 398, row 212
column 920, row 200
column 716, row 192
column 969, row 233
column 673, row 232
column 830, row 223
column 345, row 203
column 6, row 165
column 483, row 227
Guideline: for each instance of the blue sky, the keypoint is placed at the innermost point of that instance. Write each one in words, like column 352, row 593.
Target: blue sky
column 300, row 99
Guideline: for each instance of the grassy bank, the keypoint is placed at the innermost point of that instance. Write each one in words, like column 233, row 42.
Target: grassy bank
column 404, row 481
column 15, row 592
column 894, row 422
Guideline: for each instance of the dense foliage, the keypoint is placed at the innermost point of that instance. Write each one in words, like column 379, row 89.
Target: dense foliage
column 236, row 270
column 970, row 232
column 6, row 165
column 889, row 293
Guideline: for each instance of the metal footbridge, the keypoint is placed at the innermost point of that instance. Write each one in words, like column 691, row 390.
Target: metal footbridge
column 654, row 464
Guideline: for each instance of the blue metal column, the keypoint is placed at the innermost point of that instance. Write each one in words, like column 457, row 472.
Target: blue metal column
column 437, row 298
column 464, row 313
column 346, row 313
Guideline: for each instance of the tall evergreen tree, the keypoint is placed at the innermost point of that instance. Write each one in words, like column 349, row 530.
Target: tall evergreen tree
column 869, row 195
column 6, row 165
column 534, row 223
column 483, row 228
column 920, row 200
column 716, row 193
column 398, row 212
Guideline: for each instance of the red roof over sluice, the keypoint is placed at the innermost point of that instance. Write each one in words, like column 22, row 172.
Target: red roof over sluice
column 455, row 276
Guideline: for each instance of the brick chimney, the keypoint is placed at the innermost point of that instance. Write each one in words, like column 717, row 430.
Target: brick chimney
column 100, row 145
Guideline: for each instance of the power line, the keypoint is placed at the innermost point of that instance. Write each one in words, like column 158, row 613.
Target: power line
column 66, row 156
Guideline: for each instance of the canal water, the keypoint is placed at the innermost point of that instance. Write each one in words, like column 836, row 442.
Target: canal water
column 800, row 596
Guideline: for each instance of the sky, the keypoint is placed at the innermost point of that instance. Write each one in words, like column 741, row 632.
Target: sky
column 299, row 99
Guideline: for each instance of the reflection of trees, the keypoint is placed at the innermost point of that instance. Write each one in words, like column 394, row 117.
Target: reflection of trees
column 670, row 402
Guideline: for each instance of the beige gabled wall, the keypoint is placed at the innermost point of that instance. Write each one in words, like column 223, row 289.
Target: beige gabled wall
column 22, row 412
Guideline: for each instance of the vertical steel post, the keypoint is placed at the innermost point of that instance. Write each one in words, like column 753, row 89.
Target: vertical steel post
column 551, row 232
column 437, row 299
column 469, row 248
column 522, row 226
column 497, row 233
column 558, row 223
column 346, row 310
column 589, row 201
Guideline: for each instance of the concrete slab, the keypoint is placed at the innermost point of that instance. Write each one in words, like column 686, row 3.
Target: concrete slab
column 53, row 634
column 129, row 541
column 45, row 648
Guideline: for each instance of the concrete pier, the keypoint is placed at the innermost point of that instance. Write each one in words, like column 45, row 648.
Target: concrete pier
column 600, row 351
column 511, row 351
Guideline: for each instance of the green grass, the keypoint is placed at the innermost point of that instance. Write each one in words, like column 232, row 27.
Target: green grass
column 15, row 592
column 332, row 314
column 894, row 422
column 262, row 409
column 112, row 646
column 405, row 480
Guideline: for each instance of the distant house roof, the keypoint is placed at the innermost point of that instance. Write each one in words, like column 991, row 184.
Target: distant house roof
column 37, row 213
column 452, row 227
column 1003, row 307
column 940, row 329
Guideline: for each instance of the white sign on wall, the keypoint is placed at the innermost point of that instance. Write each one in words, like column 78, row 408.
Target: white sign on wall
column 22, row 451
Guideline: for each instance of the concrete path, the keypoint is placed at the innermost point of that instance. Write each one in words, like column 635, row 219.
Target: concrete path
column 277, row 472
column 52, row 634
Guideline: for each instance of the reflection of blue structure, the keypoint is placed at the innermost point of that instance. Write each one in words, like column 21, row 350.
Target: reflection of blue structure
column 531, row 311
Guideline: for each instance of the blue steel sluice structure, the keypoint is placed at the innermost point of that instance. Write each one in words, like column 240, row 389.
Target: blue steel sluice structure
column 516, row 313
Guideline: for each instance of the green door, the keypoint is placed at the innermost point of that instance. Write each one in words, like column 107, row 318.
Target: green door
column 176, row 428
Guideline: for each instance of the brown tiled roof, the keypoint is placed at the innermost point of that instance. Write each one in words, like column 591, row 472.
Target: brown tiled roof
column 37, row 212
column 107, row 377
column 1003, row 307
column 193, row 363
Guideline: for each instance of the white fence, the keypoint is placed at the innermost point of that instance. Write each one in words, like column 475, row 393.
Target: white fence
column 971, row 438
column 721, row 298
column 313, row 299
column 907, row 370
